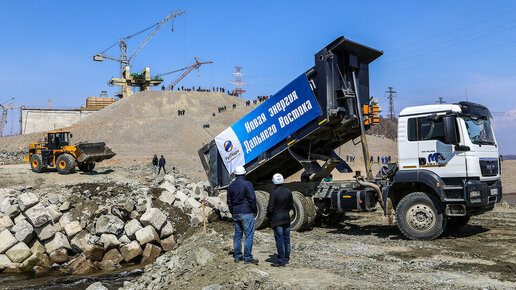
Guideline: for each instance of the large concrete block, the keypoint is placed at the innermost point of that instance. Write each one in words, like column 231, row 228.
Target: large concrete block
column 132, row 227
column 72, row 229
column 167, row 230
column 80, row 241
column 38, row 215
column 26, row 200
column 153, row 217
column 147, row 235
column 58, row 242
column 113, row 255
column 109, row 224
column 6, row 223
column 54, row 212
column 19, row 252
column 168, row 243
column 59, row 256
column 94, row 252
column 150, row 254
column 5, row 262
column 131, row 251
column 7, row 240
column 109, row 241
column 46, row 232
column 167, row 197
column 23, row 231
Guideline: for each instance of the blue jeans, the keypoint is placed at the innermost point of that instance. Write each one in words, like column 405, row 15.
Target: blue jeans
column 282, row 237
column 244, row 224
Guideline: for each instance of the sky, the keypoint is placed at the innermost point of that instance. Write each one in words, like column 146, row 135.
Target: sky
column 458, row 50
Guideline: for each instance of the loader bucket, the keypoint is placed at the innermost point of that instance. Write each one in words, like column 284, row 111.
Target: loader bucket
column 93, row 152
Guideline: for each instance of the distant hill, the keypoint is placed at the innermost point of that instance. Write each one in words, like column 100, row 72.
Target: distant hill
column 386, row 127
column 509, row 157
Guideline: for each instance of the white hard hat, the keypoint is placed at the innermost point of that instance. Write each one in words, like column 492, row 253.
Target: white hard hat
column 240, row 170
column 278, row 179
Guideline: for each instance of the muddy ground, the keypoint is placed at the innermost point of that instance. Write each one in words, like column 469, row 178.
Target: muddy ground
column 358, row 253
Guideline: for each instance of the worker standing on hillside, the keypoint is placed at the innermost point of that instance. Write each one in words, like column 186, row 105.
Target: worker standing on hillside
column 155, row 163
column 162, row 163
column 280, row 204
column 242, row 206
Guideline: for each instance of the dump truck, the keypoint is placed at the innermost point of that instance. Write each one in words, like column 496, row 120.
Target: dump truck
column 448, row 168
column 56, row 151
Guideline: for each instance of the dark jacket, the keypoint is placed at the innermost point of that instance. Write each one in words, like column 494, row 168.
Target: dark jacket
column 155, row 160
column 241, row 198
column 280, row 203
column 162, row 161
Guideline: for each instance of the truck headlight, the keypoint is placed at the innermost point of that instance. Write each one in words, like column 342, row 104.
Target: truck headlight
column 474, row 193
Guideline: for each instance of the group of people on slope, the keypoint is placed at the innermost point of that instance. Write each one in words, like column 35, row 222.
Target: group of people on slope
column 241, row 201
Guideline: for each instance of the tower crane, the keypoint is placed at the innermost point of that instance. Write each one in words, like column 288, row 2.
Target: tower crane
column 124, row 59
column 188, row 69
column 127, row 80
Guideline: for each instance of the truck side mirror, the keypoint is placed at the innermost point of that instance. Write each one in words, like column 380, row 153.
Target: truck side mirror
column 450, row 130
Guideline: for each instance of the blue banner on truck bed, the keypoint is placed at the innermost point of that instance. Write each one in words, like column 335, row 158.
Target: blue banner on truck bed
column 281, row 115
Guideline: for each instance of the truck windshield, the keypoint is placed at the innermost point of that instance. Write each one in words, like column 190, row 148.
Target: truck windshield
column 480, row 131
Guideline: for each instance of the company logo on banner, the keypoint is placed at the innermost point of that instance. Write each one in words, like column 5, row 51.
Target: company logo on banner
column 281, row 115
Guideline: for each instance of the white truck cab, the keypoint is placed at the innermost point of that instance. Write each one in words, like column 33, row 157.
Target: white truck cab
column 448, row 152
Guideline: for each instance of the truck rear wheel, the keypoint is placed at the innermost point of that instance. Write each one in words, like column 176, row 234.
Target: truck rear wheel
column 299, row 216
column 88, row 167
column 36, row 163
column 262, row 201
column 312, row 213
column 420, row 216
column 65, row 164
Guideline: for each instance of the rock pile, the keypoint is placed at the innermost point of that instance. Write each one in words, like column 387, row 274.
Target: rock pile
column 8, row 157
column 90, row 227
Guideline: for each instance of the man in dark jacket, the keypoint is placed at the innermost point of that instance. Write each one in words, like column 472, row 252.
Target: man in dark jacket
column 242, row 205
column 155, row 163
column 162, row 163
column 280, row 204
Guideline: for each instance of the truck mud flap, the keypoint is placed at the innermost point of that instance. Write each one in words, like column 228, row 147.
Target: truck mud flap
column 93, row 152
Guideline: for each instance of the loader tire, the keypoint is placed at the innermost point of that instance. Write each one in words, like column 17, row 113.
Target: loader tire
column 88, row 167
column 36, row 163
column 299, row 216
column 420, row 216
column 262, row 201
column 65, row 164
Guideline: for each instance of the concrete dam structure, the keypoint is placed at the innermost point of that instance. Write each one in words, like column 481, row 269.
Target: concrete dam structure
column 41, row 120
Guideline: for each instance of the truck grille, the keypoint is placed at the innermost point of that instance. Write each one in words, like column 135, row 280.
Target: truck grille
column 489, row 167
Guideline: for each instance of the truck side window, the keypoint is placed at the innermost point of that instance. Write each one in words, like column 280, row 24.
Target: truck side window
column 412, row 129
column 431, row 130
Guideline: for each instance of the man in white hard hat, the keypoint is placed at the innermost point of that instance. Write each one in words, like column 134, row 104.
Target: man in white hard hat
column 280, row 204
column 242, row 205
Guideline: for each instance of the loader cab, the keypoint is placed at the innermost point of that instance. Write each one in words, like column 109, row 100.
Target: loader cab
column 57, row 140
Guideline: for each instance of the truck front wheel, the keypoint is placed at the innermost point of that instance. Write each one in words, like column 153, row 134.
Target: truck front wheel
column 65, row 164
column 420, row 216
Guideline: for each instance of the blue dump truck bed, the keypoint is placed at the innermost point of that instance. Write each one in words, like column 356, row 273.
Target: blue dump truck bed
column 299, row 125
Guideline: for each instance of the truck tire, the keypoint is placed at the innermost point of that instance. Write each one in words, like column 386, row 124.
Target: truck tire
column 88, row 167
column 299, row 216
column 36, row 163
column 456, row 223
column 420, row 216
column 312, row 213
column 262, row 201
column 65, row 164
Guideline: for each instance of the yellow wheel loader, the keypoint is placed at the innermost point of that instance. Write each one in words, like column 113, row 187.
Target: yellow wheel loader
column 56, row 152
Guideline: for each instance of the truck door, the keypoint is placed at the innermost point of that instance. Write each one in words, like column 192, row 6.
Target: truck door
column 434, row 154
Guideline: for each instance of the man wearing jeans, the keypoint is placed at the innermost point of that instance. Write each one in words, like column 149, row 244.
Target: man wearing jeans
column 242, row 205
column 280, row 204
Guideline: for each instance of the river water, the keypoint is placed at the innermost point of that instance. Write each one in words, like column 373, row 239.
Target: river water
column 56, row 282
